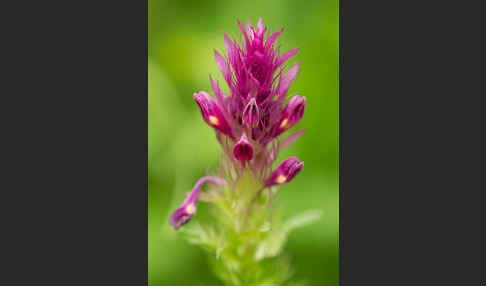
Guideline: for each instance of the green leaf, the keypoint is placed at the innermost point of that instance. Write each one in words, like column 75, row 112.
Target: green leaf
column 303, row 219
column 273, row 244
column 198, row 235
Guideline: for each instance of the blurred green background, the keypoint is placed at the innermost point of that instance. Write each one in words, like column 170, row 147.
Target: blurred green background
column 182, row 36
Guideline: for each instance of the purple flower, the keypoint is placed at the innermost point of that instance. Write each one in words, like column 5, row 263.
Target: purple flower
column 188, row 208
column 285, row 172
column 212, row 113
column 292, row 113
column 243, row 151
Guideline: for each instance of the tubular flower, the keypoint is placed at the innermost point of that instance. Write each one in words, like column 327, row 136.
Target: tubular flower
column 243, row 151
column 285, row 172
column 292, row 113
column 188, row 208
column 249, row 119
column 211, row 113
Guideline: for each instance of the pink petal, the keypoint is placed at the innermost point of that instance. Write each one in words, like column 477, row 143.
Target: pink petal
column 230, row 46
column 217, row 91
column 251, row 31
column 287, row 55
column 286, row 80
column 223, row 67
column 271, row 39
column 260, row 26
column 289, row 140
column 244, row 33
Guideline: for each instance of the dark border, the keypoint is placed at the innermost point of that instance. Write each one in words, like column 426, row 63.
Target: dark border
column 78, row 176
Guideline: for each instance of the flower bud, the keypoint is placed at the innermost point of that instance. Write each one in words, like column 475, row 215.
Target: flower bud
column 291, row 114
column 285, row 172
column 251, row 114
column 243, row 151
column 212, row 113
column 188, row 208
column 184, row 213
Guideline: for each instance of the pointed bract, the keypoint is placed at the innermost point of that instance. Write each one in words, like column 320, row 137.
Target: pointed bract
column 289, row 54
column 271, row 39
column 286, row 80
column 224, row 67
column 289, row 140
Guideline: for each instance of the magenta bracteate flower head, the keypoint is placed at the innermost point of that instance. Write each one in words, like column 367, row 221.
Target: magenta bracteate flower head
column 249, row 120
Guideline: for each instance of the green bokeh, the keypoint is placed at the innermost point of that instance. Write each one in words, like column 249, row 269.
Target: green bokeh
column 182, row 36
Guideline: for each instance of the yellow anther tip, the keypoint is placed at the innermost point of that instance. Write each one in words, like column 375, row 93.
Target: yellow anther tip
column 191, row 209
column 281, row 179
column 213, row 120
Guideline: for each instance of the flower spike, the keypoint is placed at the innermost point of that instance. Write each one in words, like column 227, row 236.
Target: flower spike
column 248, row 118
